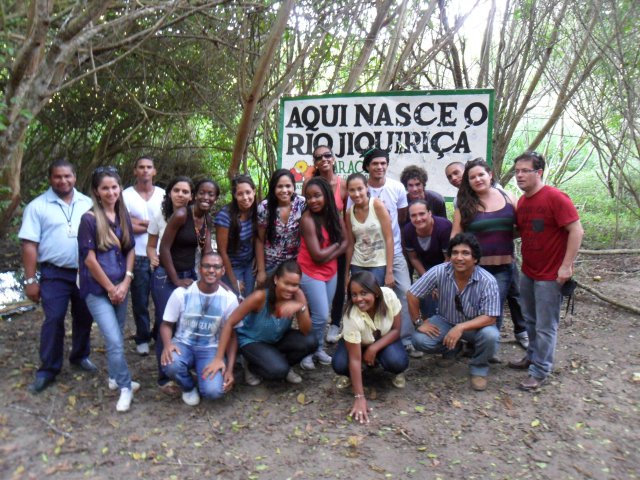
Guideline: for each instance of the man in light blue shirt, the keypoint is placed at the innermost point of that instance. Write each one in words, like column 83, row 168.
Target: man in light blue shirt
column 468, row 302
column 48, row 237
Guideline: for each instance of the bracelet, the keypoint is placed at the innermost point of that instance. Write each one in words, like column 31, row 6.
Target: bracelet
column 303, row 309
column 359, row 395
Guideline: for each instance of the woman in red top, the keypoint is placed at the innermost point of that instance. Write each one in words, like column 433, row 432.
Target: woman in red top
column 323, row 240
column 324, row 162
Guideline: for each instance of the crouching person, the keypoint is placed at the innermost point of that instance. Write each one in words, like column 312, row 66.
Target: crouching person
column 370, row 336
column 468, row 302
column 200, row 311
column 268, row 344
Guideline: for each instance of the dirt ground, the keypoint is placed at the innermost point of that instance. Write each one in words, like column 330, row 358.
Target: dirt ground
column 584, row 424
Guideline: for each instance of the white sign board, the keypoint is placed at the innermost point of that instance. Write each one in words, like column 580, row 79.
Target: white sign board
column 427, row 129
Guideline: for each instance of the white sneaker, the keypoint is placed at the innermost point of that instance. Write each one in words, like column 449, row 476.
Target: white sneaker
column 399, row 381
column 143, row 349
column 124, row 402
column 293, row 377
column 250, row 378
column 191, row 398
column 333, row 334
column 307, row 363
column 322, row 357
column 135, row 386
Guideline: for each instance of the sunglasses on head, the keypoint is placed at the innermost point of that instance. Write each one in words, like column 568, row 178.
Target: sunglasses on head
column 107, row 169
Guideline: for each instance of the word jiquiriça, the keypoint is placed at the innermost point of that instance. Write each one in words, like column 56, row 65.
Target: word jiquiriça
column 338, row 117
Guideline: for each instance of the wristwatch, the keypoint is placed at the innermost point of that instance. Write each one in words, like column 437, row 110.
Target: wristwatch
column 418, row 321
column 30, row 281
column 303, row 309
column 129, row 274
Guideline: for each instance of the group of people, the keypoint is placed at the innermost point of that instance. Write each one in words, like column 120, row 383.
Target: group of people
column 294, row 272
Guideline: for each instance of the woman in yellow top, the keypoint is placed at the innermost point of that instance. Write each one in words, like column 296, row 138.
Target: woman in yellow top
column 370, row 335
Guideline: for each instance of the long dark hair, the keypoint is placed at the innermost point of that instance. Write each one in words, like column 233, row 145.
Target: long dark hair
column 468, row 201
column 234, row 212
column 105, row 236
column 272, row 200
column 167, row 204
column 368, row 282
column 328, row 215
column 288, row 266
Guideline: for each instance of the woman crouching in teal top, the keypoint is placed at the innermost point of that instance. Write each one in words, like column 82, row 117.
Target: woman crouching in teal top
column 268, row 344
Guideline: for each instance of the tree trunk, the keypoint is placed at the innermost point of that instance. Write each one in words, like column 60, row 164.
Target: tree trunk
column 367, row 48
column 246, row 126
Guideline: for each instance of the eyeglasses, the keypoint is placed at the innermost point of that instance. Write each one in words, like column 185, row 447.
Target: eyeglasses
column 323, row 156
column 518, row 171
column 208, row 266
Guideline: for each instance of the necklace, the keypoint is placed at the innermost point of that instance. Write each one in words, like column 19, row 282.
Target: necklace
column 201, row 234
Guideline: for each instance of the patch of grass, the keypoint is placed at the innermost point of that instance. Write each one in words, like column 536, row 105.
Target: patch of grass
column 598, row 212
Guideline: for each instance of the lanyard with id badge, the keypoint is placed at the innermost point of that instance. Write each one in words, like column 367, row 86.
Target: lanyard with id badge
column 71, row 232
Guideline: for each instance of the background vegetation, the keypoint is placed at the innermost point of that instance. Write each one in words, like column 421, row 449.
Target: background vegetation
column 196, row 84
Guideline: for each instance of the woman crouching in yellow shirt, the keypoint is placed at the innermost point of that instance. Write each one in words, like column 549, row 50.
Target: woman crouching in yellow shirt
column 370, row 335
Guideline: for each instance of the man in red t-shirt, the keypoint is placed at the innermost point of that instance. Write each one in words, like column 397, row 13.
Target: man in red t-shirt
column 551, row 236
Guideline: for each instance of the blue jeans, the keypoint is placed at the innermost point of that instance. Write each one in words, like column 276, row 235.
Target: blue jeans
column 273, row 361
column 392, row 358
column 484, row 339
column 161, row 290
column 57, row 288
column 403, row 283
column 244, row 274
column 378, row 272
column 541, row 302
column 513, row 300
column 198, row 358
column 503, row 275
column 319, row 296
column 111, row 318
column 140, row 289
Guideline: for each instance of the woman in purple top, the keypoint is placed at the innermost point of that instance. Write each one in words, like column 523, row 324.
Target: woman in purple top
column 105, row 243
column 490, row 214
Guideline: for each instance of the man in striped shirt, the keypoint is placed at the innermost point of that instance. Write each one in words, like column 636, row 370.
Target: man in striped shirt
column 468, row 302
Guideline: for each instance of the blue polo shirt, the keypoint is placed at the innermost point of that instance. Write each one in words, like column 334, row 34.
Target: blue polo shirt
column 479, row 297
column 46, row 222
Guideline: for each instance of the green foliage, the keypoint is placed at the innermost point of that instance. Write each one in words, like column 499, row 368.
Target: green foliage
column 599, row 214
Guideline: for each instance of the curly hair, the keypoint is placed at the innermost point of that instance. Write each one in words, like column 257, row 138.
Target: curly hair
column 468, row 201
column 414, row 172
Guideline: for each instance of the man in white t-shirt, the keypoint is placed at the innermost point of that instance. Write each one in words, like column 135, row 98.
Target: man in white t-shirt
column 394, row 197
column 200, row 311
column 142, row 200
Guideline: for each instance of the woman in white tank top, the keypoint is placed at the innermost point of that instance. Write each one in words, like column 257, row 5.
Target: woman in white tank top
column 369, row 232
